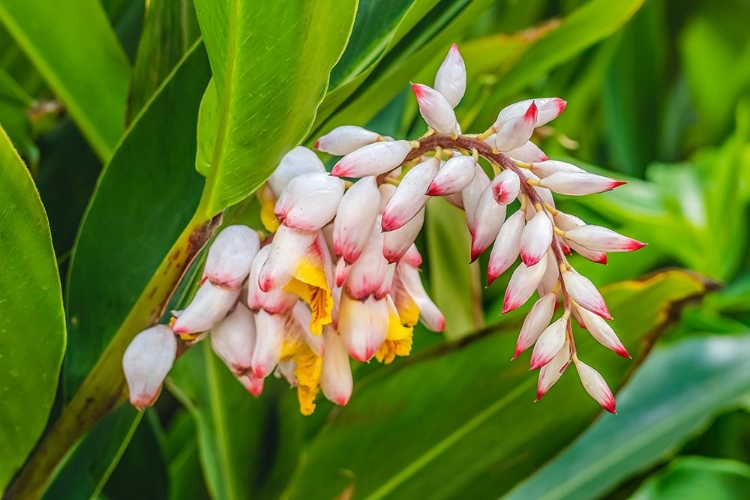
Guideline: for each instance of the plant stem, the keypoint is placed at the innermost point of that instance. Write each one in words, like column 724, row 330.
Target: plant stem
column 104, row 387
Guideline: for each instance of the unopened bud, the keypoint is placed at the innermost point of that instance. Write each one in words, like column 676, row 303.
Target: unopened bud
column 435, row 109
column 373, row 159
column 146, row 362
column 363, row 326
column 507, row 246
column 355, row 219
column 602, row 239
column 233, row 340
column 596, row 386
column 578, row 183
column 516, row 131
column 397, row 242
column 345, row 139
column 410, row 196
column 453, row 176
column 505, row 187
column 298, row 161
column 536, row 321
column 336, row 377
column 488, row 220
column 549, row 343
column 522, row 284
column 549, row 108
column 209, row 306
column 585, row 293
column 230, row 256
column 310, row 201
column 536, row 238
column 450, row 80
column 552, row 371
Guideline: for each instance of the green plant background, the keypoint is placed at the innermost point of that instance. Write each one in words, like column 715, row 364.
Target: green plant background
column 119, row 143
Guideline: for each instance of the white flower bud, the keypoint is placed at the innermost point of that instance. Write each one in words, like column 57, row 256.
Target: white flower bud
column 355, row 219
column 453, row 176
column 585, row 293
column 435, row 109
column 230, row 256
column 345, row 139
column 233, row 340
column 552, row 371
column 549, row 108
column 269, row 342
column 288, row 248
column 596, row 386
column 209, row 306
column 516, row 131
column 602, row 239
column 471, row 194
column 602, row 332
column 507, row 246
column 274, row 301
column 586, row 253
column 298, row 161
column 398, row 241
column 522, row 284
column 579, row 183
column 488, row 219
column 410, row 196
column 407, row 277
column 367, row 275
column 253, row 384
column 536, row 321
column 551, row 276
column 146, row 362
column 373, row 159
column 386, row 193
column 336, row 377
column 549, row 343
column 505, row 187
column 412, row 257
column 528, row 153
column 450, row 80
column 310, row 201
column 536, row 238
column 363, row 325
column 546, row 168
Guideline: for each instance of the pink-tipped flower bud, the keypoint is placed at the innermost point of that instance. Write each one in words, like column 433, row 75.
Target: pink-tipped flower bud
column 522, row 284
column 551, row 279
column 368, row 274
column 536, row 321
column 345, row 139
column 412, row 257
column 549, row 108
column 397, row 242
column 209, row 306
column 288, row 248
column 355, row 219
column 298, row 161
column 233, row 340
column 435, row 109
column 310, row 201
column 274, row 301
column 505, row 187
column 602, row 239
column 336, row 377
column 146, row 362
column 507, row 246
column 341, row 272
column 552, row 371
column 363, row 325
column 578, row 183
column 410, row 196
column 455, row 175
column 407, row 277
column 450, row 80
column 253, row 384
column 549, row 343
column 269, row 342
column 373, row 159
column 517, row 131
column 536, row 238
column 488, row 220
column 585, row 293
column 544, row 169
column 230, row 256
column 471, row 194
column 596, row 386
column 529, row 153
column 602, row 332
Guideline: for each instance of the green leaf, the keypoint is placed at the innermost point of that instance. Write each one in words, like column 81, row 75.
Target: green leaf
column 459, row 421
column 169, row 30
column 32, row 325
column 698, row 478
column 247, row 446
column 136, row 241
column 185, row 475
column 455, row 286
column 267, row 94
column 670, row 399
column 78, row 54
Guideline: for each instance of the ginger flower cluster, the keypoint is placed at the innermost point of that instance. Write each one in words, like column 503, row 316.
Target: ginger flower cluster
column 335, row 275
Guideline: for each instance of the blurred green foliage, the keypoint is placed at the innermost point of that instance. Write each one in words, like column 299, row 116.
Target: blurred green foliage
column 109, row 105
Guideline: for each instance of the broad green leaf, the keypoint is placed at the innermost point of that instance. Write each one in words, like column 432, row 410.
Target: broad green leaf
column 671, row 398
column 459, row 421
column 698, row 478
column 185, row 475
column 267, row 93
column 455, row 285
column 77, row 53
column 247, row 446
column 169, row 30
column 32, row 325
column 130, row 254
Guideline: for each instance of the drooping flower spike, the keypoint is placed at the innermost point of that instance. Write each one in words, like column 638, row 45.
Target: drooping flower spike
column 334, row 277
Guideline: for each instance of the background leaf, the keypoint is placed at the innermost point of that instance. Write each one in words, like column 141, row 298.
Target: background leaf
column 77, row 53
column 266, row 94
column 32, row 325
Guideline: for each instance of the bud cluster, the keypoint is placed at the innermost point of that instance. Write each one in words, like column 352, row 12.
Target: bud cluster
column 337, row 273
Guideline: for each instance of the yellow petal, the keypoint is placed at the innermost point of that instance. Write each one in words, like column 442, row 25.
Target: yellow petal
column 267, row 205
column 311, row 285
column 397, row 343
column 309, row 368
